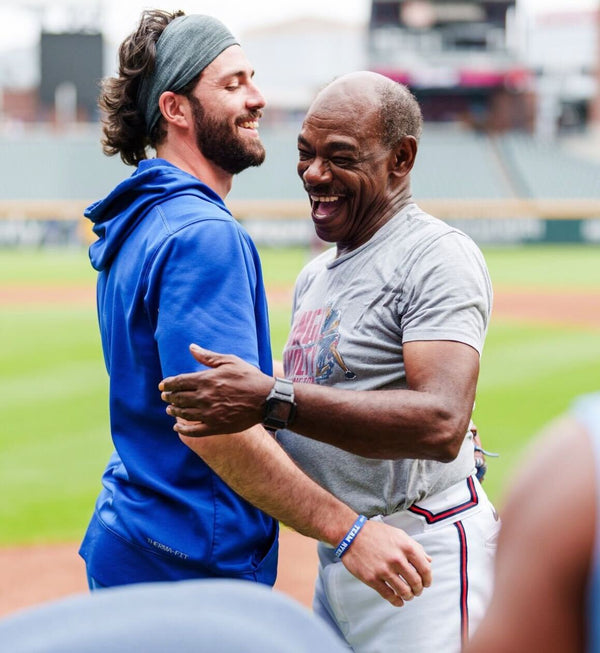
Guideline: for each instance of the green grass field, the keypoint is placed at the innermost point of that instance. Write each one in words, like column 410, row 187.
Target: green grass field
column 54, row 437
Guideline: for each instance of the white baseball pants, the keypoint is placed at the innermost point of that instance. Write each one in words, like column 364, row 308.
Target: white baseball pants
column 458, row 528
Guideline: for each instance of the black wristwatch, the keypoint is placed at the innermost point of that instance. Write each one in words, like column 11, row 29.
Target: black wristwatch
column 280, row 408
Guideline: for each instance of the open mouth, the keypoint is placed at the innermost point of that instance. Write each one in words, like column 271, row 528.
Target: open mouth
column 249, row 124
column 324, row 206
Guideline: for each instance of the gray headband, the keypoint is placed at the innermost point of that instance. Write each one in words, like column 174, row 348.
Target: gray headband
column 186, row 46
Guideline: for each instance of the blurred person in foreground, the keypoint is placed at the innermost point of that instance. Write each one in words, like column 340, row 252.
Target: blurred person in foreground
column 547, row 592
column 174, row 264
column 381, row 369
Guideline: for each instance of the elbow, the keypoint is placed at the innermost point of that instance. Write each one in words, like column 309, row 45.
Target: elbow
column 448, row 439
column 448, row 453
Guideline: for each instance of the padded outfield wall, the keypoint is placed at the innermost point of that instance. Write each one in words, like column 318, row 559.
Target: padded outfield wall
column 507, row 189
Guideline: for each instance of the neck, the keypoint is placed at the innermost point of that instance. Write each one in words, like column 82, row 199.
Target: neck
column 384, row 213
column 401, row 198
column 188, row 158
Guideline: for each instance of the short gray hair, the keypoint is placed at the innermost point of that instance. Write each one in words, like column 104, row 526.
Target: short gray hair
column 400, row 113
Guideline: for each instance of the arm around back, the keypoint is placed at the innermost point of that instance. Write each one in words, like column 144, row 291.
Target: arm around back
column 427, row 420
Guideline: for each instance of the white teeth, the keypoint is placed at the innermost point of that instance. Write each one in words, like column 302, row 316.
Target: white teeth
column 318, row 198
column 250, row 125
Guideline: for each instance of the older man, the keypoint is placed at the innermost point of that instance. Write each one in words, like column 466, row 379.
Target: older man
column 381, row 369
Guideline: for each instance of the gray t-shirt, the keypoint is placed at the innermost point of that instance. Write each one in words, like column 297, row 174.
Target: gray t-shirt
column 416, row 279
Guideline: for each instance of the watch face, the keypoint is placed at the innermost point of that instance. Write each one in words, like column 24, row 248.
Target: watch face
column 279, row 410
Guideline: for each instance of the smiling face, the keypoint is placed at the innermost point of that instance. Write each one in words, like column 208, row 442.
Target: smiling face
column 227, row 106
column 348, row 172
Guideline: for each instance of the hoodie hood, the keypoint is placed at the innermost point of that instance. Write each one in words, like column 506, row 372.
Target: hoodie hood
column 117, row 215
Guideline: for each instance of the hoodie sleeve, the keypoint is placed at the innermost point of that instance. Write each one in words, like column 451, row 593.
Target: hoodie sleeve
column 205, row 286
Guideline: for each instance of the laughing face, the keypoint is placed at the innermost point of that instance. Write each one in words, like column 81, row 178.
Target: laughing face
column 345, row 167
column 227, row 106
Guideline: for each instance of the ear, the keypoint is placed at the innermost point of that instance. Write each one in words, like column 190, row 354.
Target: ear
column 403, row 156
column 175, row 108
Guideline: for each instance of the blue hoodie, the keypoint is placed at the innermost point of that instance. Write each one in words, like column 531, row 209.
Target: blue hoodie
column 174, row 268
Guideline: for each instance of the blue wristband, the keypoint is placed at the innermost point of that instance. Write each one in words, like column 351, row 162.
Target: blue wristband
column 344, row 545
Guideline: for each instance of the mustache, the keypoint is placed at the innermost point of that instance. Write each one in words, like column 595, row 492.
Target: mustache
column 320, row 190
column 255, row 114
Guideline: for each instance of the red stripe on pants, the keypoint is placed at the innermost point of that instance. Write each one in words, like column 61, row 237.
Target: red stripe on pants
column 464, row 583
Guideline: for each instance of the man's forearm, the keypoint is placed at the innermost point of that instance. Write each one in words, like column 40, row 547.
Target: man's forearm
column 385, row 424
column 428, row 421
column 257, row 468
column 380, row 424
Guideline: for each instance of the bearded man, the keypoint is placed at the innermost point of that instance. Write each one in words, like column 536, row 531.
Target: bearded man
column 174, row 264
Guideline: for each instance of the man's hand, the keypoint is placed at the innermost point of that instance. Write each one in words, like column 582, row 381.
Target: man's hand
column 389, row 561
column 229, row 398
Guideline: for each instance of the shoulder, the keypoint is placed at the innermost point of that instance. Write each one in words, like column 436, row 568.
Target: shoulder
column 419, row 239
column 202, row 240
column 439, row 235
column 441, row 263
column 189, row 209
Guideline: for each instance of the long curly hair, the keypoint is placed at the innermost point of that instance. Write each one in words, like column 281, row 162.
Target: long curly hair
column 123, row 123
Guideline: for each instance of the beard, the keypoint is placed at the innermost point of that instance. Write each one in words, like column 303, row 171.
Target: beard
column 220, row 144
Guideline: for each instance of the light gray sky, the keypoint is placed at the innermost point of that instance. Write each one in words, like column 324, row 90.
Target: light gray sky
column 20, row 19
